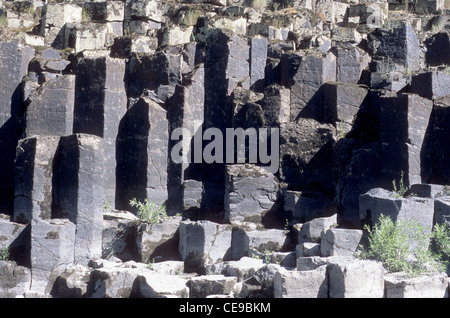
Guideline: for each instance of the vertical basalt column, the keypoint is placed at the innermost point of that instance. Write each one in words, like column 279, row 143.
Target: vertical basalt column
column 186, row 118
column 142, row 152
column 403, row 121
column 33, row 178
column 78, row 192
column 100, row 104
column 14, row 59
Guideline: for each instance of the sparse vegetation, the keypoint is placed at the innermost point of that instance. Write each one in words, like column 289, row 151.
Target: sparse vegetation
column 4, row 253
column 401, row 246
column 149, row 211
column 399, row 192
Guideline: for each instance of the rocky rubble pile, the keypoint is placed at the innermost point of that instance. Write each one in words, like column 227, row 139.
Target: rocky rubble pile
column 93, row 93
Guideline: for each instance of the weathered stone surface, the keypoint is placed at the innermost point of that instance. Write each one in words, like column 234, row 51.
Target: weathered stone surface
column 356, row 169
column 440, row 141
column 380, row 201
column 304, row 284
column 158, row 241
column 52, row 245
column 398, row 41
column 307, row 249
column 156, row 285
column 34, row 178
column 306, row 94
column 276, row 105
column 250, row 192
column 247, row 242
column 258, row 57
column 16, row 238
column 307, row 263
column 79, row 195
column 350, row 278
column 304, row 206
column 14, row 58
column 112, row 282
column 338, row 241
column 403, row 125
column 260, row 285
column 15, row 280
column 100, row 104
column 434, row 286
column 71, row 281
column 142, row 154
column 202, row 243
column 312, row 230
column 431, row 85
column 442, row 210
column 342, row 104
column 119, row 235
column 203, row 286
column 305, row 155
column 243, row 269
column 52, row 111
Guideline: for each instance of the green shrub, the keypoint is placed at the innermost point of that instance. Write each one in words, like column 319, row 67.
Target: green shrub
column 400, row 192
column 401, row 246
column 441, row 240
column 149, row 211
column 4, row 253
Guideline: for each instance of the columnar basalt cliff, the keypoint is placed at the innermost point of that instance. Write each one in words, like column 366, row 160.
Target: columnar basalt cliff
column 104, row 102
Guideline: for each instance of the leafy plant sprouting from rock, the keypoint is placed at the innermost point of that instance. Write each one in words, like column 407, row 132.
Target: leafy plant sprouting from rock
column 441, row 240
column 149, row 211
column 401, row 246
column 4, row 253
column 399, row 192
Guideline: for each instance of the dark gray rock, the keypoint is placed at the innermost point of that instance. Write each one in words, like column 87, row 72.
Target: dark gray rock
column 404, row 122
column 14, row 58
column 15, row 280
column 301, row 284
column 306, row 92
column 342, row 104
column 34, row 178
column 356, row 170
column 431, row 85
column 380, row 201
column 51, row 112
column 250, row 192
column 441, row 141
column 442, row 210
column 203, row 286
column 203, row 243
column 305, row 155
column 142, row 154
column 304, row 206
column 397, row 41
column 258, row 57
column 79, row 195
column 158, row 242
column 343, row 242
column 52, row 245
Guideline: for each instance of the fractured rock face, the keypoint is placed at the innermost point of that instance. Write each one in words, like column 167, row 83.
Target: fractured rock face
column 250, row 192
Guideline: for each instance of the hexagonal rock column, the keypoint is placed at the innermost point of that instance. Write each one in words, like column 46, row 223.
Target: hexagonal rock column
column 79, row 192
column 403, row 121
column 142, row 154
